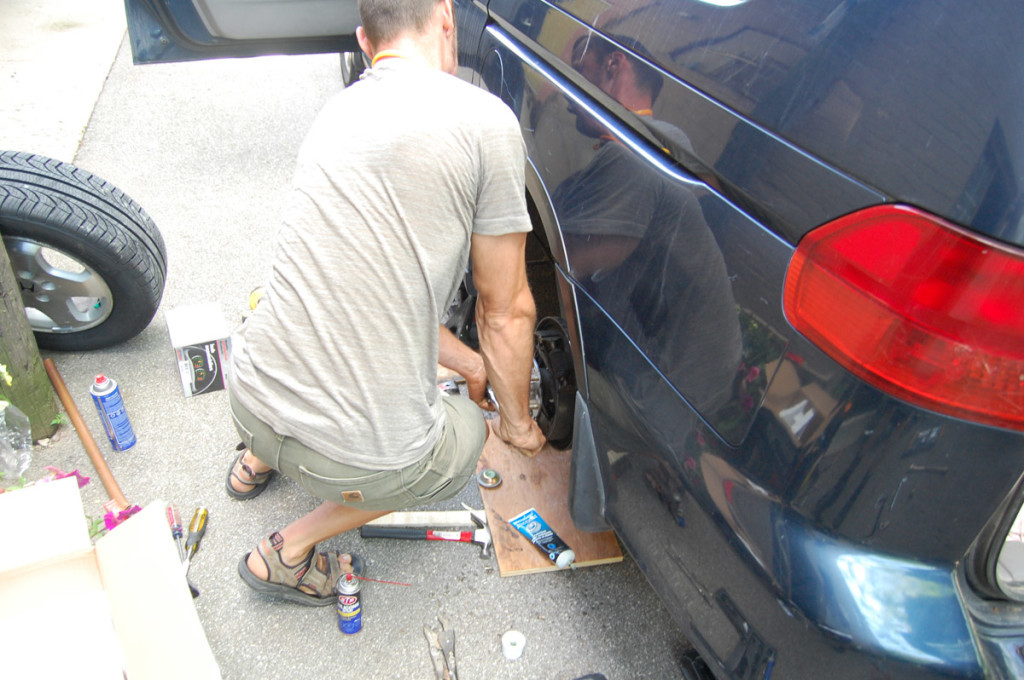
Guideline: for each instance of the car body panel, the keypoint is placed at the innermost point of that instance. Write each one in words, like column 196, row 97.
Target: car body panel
column 701, row 135
column 812, row 508
column 821, row 74
column 792, row 517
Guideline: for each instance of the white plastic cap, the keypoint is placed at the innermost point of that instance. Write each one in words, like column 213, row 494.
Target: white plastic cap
column 565, row 559
column 512, row 644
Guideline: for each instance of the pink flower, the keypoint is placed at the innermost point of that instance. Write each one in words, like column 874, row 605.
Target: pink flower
column 753, row 374
column 110, row 520
column 60, row 474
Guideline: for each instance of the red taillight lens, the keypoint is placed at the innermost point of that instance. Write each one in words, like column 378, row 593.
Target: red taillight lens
column 918, row 307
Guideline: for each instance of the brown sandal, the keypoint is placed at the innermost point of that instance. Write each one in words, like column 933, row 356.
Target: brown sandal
column 257, row 480
column 311, row 582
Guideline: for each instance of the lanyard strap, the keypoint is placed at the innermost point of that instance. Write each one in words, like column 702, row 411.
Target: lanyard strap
column 386, row 54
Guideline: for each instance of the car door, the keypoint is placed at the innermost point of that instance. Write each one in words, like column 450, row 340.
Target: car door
column 184, row 30
column 187, row 30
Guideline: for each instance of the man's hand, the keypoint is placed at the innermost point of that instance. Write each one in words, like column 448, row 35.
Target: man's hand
column 453, row 354
column 527, row 440
column 476, row 384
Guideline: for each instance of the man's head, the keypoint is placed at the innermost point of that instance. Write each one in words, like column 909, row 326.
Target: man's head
column 386, row 20
column 617, row 73
column 602, row 63
column 389, row 24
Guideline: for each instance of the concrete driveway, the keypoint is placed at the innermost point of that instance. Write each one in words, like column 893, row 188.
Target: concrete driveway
column 208, row 149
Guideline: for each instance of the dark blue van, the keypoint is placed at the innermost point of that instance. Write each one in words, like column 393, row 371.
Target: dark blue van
column 779, row 253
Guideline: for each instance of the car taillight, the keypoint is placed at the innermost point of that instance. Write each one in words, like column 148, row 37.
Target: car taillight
column 922, row 309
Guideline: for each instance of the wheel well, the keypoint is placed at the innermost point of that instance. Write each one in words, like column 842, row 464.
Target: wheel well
column 540, row 266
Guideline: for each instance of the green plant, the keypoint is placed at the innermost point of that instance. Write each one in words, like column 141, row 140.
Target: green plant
column 97, row 527
column 20, row 484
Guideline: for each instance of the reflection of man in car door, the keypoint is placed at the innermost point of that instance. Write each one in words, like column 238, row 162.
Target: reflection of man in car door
column 637, row 241
column 334, row 376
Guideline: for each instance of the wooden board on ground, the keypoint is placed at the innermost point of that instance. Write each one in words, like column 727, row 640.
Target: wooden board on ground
column 541, row 482
column 429, row 519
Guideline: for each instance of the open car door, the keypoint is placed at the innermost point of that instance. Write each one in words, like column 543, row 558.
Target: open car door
column 184, row 30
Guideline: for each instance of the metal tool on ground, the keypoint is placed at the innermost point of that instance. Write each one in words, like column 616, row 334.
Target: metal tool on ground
column 196, row 529
column 481, row 535
column 441, row 641
column 98, row 462
column 174, row 520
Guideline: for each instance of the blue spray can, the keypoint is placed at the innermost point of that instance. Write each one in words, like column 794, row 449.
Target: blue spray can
column 107, row 397
column 350, row 608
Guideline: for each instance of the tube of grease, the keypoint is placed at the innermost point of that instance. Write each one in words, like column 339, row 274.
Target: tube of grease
column 533, row 526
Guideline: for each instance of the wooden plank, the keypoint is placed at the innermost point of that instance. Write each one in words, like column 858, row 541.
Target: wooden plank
column 541, row 482
column 431, row 519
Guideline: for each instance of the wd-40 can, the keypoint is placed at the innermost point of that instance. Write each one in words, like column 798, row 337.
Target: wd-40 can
column 107, row 397
column 350, row 609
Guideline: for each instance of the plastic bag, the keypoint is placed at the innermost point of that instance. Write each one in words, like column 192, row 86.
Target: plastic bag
column 15, row 441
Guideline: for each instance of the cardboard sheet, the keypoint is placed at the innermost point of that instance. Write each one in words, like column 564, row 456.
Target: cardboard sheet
column 119, row 609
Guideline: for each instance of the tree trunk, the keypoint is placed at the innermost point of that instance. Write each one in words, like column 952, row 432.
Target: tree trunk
column 30, row 388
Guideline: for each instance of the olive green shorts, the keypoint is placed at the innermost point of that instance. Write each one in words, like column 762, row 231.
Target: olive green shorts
column 438, row 476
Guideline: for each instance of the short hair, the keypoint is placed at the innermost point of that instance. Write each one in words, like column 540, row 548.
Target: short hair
column 385, row 20
column 646, row 75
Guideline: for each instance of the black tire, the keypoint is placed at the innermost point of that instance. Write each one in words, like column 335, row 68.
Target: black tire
column 352, row 66
column 694, row 668
column 553, row 355
column 90, row 261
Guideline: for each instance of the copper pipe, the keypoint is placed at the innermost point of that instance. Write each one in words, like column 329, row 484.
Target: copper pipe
column 98, row 462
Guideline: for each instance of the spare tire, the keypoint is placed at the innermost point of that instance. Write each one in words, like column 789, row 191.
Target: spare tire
column 90, row 262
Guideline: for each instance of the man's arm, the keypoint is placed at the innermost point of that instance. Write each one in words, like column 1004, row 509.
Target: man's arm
column 505, row 317
column 457, row 356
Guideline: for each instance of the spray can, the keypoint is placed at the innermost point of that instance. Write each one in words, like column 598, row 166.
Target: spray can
column 107, row 397
column 350, row 609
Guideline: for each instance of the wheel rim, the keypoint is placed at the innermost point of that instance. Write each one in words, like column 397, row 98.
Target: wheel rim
column 557, row 381
column 61, row 294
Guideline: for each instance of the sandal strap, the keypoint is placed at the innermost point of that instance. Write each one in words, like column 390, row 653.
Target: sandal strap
column 255, row 478
column 279, row 571
column 318, row 582
column 309, row 576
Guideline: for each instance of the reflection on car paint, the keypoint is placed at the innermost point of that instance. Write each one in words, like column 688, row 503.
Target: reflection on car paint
column 817, row 446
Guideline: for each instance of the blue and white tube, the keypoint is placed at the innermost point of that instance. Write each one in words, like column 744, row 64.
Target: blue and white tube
column 533, row 526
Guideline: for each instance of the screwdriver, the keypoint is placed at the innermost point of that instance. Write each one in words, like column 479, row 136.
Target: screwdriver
column 174, row 519
column 196, row 529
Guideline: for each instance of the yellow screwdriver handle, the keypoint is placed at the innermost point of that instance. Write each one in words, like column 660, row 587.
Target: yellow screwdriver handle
column 196, row 529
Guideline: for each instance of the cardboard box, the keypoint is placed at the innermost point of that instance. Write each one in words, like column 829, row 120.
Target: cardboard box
column 119, row 609
column 201, row 342
column 801, row 408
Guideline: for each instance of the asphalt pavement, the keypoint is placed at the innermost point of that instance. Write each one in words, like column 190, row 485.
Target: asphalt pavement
column 208, row 150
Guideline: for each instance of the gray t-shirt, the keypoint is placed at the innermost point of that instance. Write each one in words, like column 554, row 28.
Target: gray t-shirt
column 396, row 173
